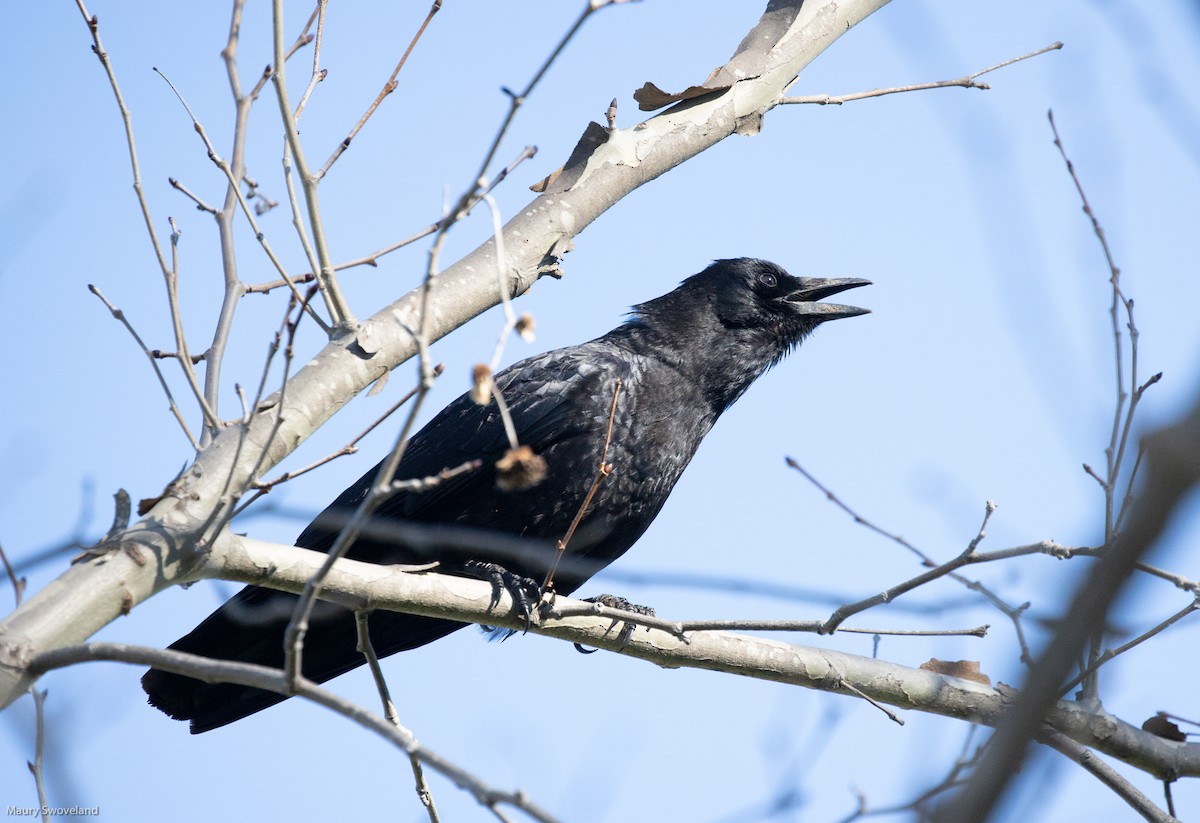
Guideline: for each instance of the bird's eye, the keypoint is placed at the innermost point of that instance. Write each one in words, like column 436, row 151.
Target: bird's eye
column 768, row 280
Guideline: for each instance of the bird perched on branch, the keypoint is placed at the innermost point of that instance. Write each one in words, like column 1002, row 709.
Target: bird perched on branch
column 638, row 399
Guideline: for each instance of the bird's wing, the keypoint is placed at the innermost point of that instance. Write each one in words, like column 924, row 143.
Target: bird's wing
column 548, row 397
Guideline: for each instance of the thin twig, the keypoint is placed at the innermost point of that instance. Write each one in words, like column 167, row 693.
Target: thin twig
column 1106, row 774
column 288, row 355
column 1137, row 641
column 967, row 82
column 1127, row 500
column 505, row 417
column 335, row 302
column 304, row 38
column 310, row 253
column 417, row 484
column 226, row 217
column 859, row 519
column 273, row 680
column 208, row 411
column 510, row 318
column 159, row 354
column 185, row 359
column 18, row 583
column 437, row 372
column 120, row 315
column 1178, row 580
column 229, row 53
column 967, row 557
column 816, row 626
column 1118, row 348
column 516, row 100
column 891, row 715
column 367, row 649
column 246, row 210
column 1122, row 420
column 39, row 748
column 388, row 88
column 373, row 258
column 424, row 484
column 200, row 204
column 602, row 471
column 98, row 48
column 970, row 557
column 370, row 260
column 263, row 486
column 920, row 804
column 237, row 387
column 318, row 73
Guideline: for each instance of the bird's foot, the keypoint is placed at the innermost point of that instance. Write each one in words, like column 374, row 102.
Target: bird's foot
column 524, row 590
column 614, row 602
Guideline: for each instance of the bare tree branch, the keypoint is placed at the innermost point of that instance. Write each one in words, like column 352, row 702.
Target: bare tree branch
column 1121, row 787
column 339, row 311
column 367, row 649
column 263, row 677
column 388, row 88
column 1173, row 468
column 35, row 766
column 603, row 170
column 162, row 380
column 967, row 82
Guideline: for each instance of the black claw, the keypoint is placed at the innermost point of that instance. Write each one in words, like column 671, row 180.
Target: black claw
column 614, row 602
column 519, row 588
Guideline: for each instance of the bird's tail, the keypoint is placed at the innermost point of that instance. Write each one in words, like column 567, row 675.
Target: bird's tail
column 250, row 629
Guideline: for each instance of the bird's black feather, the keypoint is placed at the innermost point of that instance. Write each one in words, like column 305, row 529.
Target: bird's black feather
column 680, row 359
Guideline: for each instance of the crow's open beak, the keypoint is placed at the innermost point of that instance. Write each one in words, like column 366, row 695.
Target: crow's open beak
column 804, row 299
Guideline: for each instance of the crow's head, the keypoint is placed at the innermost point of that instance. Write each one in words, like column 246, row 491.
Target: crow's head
column 754, row 301
column 749, row 293
column 737, row 318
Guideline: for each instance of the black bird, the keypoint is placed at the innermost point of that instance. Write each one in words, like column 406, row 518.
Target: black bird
column 680, row 360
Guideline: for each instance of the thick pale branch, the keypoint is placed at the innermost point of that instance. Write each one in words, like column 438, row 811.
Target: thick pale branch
column 365, row 586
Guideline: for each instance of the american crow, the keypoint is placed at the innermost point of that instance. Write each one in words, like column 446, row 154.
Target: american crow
column 673, row 367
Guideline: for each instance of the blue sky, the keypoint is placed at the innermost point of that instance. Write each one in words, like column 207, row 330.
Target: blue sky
column 985, row 372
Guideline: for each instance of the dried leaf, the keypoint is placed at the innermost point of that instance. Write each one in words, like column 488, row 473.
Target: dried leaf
column 1161, row 727
column 481, row 384
column 748, row 61
column 963, row 669
column 562, row 179
column 650, row 97
column 524, row 327
column 519, row 469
